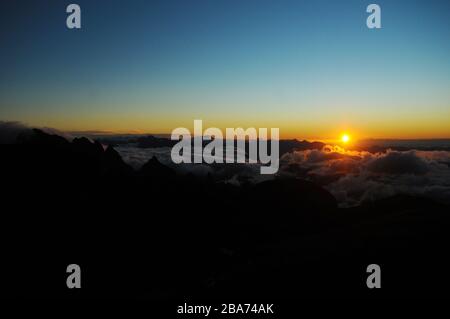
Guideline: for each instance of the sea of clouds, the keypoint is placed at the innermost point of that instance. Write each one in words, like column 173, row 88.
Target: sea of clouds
column 354, row 177
column 230, row 173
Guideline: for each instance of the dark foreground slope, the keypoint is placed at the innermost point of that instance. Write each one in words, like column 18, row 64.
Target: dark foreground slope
column 155, row 234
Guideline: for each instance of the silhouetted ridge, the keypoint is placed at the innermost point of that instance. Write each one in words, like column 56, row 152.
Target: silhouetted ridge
column 39, row 137
column 83, row 144
column 114, row 164
column 285, row 146
column 154, row 142
column 80, row 158
column 154, row 168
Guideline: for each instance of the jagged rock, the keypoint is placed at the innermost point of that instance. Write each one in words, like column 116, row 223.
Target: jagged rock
column 154, row 168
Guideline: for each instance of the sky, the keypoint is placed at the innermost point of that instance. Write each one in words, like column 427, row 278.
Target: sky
column 311, row 68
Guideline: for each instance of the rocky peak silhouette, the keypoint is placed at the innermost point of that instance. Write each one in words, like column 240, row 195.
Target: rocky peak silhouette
column 154, row 168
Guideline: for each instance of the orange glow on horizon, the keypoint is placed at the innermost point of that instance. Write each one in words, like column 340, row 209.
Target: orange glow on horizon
column 320, row 130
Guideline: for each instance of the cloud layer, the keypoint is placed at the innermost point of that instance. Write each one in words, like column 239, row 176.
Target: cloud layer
column 232, row 173
column 354, row 177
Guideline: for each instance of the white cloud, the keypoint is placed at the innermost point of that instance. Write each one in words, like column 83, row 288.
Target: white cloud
column 354, row 177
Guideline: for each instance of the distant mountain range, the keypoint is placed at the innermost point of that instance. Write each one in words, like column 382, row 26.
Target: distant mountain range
column 151, row 141
column 289, row 145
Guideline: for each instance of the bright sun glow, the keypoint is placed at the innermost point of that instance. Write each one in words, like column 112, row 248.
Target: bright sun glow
column 345, row 138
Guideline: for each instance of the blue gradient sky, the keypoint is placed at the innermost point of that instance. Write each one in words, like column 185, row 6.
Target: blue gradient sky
column 311, row 68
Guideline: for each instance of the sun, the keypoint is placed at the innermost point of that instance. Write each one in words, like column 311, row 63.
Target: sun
column 345, row 138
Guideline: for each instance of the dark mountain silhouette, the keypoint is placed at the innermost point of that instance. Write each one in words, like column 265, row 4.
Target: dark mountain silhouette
column 155, row 234
column 112, row 163
column 154, row 142
column 375, row 148
column 151, row 141
column 285, row 146
column 153, row 168
column 41, row 138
